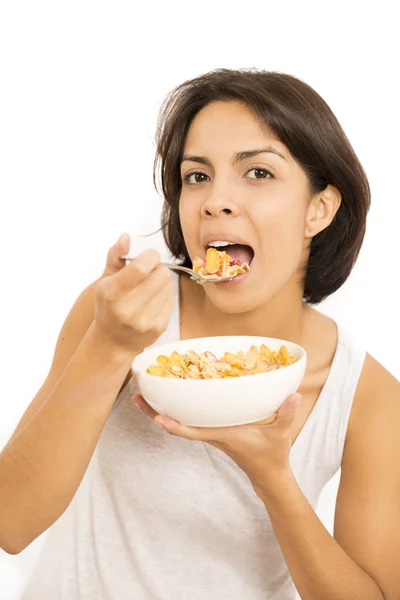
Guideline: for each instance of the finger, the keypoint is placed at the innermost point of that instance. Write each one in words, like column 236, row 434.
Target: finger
column 159, row 280
column 114, row 260
column 141, row 403
column 284, row 418
column 149, row 309
column 165, row 307
column 287, row 411
column 200, row 434
column 205, row 434
column 138, row 269
column 175, row 428
column 266, row 421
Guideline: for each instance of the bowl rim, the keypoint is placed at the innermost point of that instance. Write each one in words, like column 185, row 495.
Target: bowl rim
column 173, row 380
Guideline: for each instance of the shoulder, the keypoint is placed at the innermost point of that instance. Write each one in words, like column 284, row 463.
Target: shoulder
column 376, row 404
column 372, row 442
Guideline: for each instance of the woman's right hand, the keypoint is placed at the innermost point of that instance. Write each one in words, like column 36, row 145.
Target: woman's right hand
column 133, row 302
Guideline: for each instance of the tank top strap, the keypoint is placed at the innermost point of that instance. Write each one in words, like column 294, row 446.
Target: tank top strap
column 347, row 375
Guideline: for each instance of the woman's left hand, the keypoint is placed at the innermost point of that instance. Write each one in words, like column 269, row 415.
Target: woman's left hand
column 260, row 449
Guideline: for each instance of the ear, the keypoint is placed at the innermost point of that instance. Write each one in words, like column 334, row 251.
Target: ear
column 322, row 210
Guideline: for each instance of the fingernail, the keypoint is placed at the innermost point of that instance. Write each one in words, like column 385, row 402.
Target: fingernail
column 121, row 238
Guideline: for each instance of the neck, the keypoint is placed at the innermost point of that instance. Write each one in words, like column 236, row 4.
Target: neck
column 281, row 317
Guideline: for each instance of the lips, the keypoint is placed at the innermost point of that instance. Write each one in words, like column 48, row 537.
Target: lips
column 225, row 236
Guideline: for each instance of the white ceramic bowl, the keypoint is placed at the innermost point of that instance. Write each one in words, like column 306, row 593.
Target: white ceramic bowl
column 219, row 402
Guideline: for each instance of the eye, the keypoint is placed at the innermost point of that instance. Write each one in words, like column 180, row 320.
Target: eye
column 195, row 178
column 260, row 173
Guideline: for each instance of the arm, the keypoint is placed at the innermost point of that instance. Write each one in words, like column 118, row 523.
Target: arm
column 42, row 466
column 12, row 461
column 361, row 561
column 45, row 460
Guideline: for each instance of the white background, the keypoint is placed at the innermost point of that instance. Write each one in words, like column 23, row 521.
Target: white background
column 81, row 83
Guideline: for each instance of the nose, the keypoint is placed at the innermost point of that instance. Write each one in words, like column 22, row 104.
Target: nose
column 219, row 204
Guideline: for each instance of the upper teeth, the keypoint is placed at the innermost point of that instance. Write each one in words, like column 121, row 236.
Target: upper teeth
column 219, row 243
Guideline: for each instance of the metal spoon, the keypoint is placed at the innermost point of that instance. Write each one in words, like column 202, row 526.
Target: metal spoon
column 193, row 275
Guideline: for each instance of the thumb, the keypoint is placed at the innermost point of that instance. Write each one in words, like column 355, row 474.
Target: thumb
column 286, row 413
column 121, row 248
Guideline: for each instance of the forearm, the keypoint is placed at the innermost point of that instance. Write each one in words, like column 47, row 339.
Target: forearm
column 319, row 567
column 42, row 467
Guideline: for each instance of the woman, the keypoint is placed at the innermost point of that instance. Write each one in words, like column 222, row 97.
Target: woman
column 165, row 511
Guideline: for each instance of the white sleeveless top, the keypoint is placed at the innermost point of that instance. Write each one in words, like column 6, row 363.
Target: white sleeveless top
column 158, row 517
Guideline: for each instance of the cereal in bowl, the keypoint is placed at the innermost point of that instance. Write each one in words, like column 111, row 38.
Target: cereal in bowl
column 205, row 365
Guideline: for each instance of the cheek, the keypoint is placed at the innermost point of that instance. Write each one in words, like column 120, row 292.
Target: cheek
column 190, row 226
column 281, row 232
column 281, row 220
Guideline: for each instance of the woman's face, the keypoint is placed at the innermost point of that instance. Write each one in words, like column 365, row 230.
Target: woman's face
column 240, row 184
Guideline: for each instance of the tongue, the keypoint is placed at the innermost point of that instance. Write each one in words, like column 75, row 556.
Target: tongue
column 238, row 252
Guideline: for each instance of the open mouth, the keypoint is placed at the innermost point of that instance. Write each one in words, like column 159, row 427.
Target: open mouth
column 239, row 253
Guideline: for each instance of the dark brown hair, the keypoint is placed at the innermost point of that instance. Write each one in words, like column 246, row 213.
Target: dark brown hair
column 301, row 120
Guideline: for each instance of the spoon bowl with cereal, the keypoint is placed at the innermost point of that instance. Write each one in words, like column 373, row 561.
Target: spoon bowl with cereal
column 216, row 268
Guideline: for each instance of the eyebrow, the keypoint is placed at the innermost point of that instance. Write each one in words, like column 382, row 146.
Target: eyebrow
column 238, row 157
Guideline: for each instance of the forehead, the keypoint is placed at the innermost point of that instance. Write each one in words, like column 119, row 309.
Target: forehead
column 231, row 125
